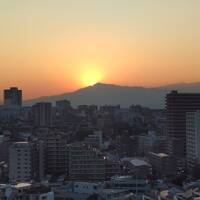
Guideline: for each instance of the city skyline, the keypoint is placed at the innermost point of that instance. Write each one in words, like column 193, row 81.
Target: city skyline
column 99, row 99
column 68, row 45
column 104, row 94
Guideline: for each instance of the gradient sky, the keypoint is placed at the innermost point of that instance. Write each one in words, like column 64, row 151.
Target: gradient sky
column 53, row 46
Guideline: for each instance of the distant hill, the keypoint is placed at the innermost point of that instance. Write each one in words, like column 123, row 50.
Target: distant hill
column 101, row 94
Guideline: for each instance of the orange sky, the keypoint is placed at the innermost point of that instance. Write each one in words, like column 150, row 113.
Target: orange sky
column 49, row 47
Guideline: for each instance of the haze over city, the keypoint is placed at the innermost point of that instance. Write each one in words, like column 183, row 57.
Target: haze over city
column 66, row 45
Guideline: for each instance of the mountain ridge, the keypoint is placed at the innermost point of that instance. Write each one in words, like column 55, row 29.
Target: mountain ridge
column 103, row 93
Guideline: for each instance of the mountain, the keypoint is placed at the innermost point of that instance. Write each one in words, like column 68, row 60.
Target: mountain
column 101, row 94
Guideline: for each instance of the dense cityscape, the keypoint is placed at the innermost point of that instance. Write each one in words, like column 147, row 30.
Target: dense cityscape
column 100, row 100
column 57, row 151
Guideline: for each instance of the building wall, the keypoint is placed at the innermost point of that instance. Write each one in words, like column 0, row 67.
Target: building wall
column 162, row 164
column 192, row 139
column 86, row 187
column 19, row 162
column 85, row 163
column 177, row 104
column 56, row 153
column 42, row 114
column 22, row 161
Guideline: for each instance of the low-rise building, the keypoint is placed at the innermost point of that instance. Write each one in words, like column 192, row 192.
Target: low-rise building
column 137, row 186
column 38, row 192
column 137, row 167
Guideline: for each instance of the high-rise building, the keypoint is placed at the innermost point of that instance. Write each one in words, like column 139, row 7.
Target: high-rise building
column 22, row 161
column 177, row 105
column 12, row 97
column 42, row 114
column 61, row 112
column 56, row 153
column 192, row 139
column 63, row 105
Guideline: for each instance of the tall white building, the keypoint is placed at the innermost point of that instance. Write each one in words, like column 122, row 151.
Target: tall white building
column 192, row 138
column 22, row 161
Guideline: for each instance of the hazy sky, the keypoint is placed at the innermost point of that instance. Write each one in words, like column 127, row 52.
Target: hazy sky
column 53, row 46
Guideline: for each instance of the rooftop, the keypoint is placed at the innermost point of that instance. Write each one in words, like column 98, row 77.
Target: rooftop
column 21, row 142
column 161, row 155
column 136, row 162
column 22, row 185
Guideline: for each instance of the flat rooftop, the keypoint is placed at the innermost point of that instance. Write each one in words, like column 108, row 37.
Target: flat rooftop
column 160, row 155
column 22, row 185
column 137, row 162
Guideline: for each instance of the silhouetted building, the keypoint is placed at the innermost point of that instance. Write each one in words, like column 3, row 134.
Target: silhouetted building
column 109, row 108
column 61, row 113
column 177, row 104
column 83, row 108
column 63, row 105
column 42, row 114
column 12, row 97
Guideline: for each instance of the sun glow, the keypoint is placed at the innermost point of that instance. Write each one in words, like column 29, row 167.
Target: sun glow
column 91, row 76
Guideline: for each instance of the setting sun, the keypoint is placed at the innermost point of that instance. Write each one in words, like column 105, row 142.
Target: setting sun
column 91, row 76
